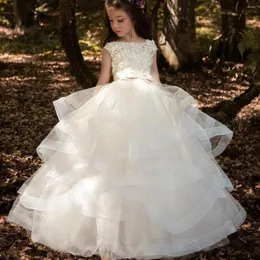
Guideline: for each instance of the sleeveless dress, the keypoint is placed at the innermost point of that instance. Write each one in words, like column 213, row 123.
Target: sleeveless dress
column 131, row 170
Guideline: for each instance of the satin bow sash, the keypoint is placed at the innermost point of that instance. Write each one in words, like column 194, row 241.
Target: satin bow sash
column 131, row 74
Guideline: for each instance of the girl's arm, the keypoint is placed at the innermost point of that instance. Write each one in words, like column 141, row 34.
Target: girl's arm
column 154, row 69
column 104, row 76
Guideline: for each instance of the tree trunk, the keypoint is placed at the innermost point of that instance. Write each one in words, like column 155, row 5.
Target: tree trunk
column 69, row 41
column 24, row 12
column 178, row 41
column 52, row 3
column 228, row 109
column 91, row 5
column 155, row 9
column 233, row 24
column 162, row 62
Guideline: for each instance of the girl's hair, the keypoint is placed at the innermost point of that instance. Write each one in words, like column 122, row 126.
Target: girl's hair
column 137, row 11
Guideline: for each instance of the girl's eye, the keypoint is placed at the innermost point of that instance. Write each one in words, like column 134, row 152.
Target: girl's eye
column 119, row 21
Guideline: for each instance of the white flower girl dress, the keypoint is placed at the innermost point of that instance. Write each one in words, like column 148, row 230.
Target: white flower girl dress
column 130, row 171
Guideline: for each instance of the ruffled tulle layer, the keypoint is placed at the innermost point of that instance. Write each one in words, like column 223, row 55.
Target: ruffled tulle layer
column 130, row 171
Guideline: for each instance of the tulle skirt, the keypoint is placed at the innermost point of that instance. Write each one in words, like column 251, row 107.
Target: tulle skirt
column 130, row 171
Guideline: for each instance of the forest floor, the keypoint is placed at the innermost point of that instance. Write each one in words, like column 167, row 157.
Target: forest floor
column 33, row 75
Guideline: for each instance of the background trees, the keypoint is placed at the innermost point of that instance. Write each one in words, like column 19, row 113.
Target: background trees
column 69, row 41
column 178, row 36
column 176, row 32
column 24, row 12
column 177, row 25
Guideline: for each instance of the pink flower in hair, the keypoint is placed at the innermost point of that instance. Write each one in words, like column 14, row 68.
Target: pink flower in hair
column 141, row 3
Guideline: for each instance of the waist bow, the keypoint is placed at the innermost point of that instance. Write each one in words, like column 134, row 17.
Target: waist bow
column 131, row 74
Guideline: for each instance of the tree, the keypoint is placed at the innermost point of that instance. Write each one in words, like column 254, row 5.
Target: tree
column 178, row 40
column 52, row 3
column 69, row 41
column 24, row 12
column 228, row 109
column 233, row 23
column 236, row 43
column 90, row 5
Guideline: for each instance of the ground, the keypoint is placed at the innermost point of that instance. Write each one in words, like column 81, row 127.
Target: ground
column 33, row 75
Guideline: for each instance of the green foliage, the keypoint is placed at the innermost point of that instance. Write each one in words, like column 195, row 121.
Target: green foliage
column 208, row 22
column 3, row 5
column 90, row 30
column 32, row 42
column 205, row 36
column 209, row 9
column 249, row 48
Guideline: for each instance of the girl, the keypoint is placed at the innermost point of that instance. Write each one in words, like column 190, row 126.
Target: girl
column 130, row 170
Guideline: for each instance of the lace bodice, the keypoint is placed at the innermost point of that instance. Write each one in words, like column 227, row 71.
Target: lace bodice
column 131, row 59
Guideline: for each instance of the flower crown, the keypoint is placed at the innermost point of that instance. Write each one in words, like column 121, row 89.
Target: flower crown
column 139, row 3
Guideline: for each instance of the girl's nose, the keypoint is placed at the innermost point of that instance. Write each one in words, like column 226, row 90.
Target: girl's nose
column 115, row 25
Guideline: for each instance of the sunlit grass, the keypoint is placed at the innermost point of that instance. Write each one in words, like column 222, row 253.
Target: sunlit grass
column 205, row 36
column 30, row 42
column 90, row 31
column 90, row 47
column 26, row 48
column 208, row 23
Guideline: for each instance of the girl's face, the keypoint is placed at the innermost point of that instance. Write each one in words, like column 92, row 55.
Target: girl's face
column 120, row 21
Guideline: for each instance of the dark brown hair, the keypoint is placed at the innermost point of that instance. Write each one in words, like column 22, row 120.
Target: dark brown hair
column 139, row 16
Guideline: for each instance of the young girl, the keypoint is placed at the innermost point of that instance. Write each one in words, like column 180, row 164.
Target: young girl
column 130, row 170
